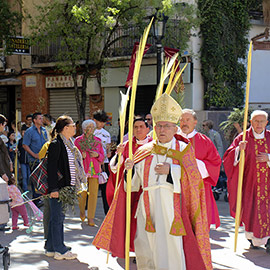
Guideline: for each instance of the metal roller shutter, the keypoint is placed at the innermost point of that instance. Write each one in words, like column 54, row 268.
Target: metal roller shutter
column 62, row 101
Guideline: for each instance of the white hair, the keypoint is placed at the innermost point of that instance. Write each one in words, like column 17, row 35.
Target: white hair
column 190, row 111
column 258, row 112
column 86, row 123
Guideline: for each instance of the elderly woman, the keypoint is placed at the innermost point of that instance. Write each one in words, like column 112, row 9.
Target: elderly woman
column 93, row 155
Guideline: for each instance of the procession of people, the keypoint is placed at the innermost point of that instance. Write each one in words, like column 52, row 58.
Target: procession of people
column 156, row 189
column 172, row 204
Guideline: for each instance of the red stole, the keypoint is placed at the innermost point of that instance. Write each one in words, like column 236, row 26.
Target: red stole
column 262, row 189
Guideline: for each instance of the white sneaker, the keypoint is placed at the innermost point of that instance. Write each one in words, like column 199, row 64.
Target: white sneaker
column 49, row 253
column 66, row 256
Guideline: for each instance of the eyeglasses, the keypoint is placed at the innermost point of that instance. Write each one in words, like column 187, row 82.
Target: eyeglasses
column 158, row 126
column 148, row 119
column 259, row 122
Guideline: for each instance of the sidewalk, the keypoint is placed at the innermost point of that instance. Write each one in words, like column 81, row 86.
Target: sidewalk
column 27, row 253
column 27, row 249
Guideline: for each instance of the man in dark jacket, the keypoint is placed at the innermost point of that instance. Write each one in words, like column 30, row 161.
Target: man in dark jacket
column 6, row 166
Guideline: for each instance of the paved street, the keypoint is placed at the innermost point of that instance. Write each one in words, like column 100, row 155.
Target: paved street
column 27, row 249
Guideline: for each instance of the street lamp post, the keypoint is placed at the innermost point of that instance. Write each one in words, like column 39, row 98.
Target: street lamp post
column 159, row 25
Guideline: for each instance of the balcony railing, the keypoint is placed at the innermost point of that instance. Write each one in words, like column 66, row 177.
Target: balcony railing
column 122, row 47
column 47, row 54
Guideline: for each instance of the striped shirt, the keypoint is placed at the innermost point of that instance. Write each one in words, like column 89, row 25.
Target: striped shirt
column 71, row 166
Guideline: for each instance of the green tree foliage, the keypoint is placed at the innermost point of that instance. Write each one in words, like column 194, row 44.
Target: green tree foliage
column 183, row 18
column 224, row 29
column 86, row 31
column 255, row 5
column 89, row 28
column 9, row 21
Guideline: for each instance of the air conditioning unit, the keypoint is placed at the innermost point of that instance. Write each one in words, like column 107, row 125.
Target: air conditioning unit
column 10, row 70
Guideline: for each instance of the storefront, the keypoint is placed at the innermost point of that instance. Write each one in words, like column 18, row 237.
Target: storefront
column 62, row 96
column 10, row 97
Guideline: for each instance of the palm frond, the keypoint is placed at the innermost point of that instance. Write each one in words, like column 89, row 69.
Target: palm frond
column 175, row 79
column 165, row 72
column 122, row 112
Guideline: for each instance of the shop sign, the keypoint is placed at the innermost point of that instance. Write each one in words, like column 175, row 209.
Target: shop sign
column 62, row 81
column 18, row 45
column 31, row 81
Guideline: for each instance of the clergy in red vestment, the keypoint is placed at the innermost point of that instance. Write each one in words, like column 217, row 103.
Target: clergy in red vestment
column 140, row 131
column 256, row 180
column 208, row 160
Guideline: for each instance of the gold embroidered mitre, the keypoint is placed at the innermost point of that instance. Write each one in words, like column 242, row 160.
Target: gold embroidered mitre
column 166, row 109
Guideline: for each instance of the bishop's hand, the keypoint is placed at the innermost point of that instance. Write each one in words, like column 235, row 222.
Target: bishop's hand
column 162, row 168
column 129, row 164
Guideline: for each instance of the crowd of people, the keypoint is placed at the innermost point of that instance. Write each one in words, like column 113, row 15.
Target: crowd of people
column 76, row 162
column 174, row 168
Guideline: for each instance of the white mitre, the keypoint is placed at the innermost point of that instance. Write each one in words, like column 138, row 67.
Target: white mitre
column 166, row 109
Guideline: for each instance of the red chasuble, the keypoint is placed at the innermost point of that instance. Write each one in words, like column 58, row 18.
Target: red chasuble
column 256, row 184
column 206, row 151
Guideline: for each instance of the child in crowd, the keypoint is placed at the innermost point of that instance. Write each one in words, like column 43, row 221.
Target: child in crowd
column 13, row 126
column 16, row 197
